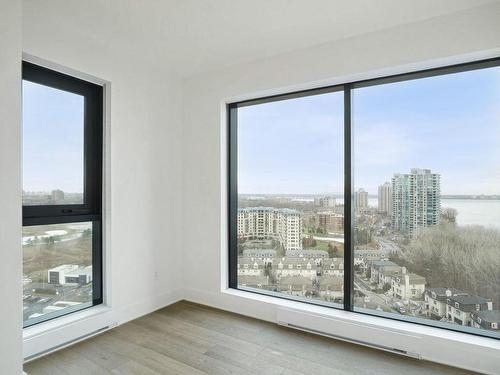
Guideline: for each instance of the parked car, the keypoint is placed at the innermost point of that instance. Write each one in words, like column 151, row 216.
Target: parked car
column 399, row 307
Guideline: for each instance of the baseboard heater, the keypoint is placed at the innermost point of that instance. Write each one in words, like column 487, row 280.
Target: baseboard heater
column 283, row 322
column 70, row 342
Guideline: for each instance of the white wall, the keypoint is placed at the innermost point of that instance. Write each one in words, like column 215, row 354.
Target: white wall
column 10, row 187
column 143, row 159
column 448, row 39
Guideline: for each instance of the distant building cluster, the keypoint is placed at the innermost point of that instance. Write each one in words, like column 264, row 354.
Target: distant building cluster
column 407, row 204
column 284, row 225
column 299, row 276
column 56, row 196
column 325, row 202
column 416, row 200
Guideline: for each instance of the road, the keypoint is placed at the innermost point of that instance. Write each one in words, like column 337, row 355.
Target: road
column 389, row 246
column 381, row 300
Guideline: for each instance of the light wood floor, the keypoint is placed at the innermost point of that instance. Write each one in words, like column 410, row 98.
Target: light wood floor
column 191, row 339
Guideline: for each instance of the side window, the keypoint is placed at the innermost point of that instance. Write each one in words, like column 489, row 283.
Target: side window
column 62, row 187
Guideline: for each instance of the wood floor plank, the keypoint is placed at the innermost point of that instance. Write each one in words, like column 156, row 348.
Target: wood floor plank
column 134, row 368
column 102, row 355
column 44, row 366
column 214, row 337
column 145, row 356
column 73, row 363
column 253, row 364
column 191, row 339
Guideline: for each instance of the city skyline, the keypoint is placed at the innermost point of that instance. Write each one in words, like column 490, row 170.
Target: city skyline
column 448, row 124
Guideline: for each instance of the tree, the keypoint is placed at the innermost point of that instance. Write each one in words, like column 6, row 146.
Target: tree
column 386, row 287
column 449, row 215
column 465, row 258
column 332, row 250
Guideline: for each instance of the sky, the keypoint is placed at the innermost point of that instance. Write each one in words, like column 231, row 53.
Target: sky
column 449, row 124
column 52, row 139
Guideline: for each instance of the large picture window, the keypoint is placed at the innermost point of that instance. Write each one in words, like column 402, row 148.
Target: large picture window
column 379, row 197
column 62, row 187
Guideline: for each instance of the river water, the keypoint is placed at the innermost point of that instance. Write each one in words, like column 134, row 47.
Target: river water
column 470, row 211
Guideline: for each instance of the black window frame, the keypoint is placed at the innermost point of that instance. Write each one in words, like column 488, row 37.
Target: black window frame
column 91, row 208
column 347, row 87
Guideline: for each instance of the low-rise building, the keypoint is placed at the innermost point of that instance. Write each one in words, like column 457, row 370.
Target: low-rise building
column 307, row 253
column 459, row 308
column 407, row 286
column 80, row 276
column 295, row 285
column 330, row 287
column 382, row 272
column 331, row 221
column 487, row 319
column 364, row 257
column 435, row 301
column 307, row 268
column 333, row 267
column 70, row 274
column 259, row 253
column 251, row 266
column 254, row 281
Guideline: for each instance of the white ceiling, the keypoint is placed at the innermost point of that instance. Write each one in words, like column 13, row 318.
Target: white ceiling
column 191, row 36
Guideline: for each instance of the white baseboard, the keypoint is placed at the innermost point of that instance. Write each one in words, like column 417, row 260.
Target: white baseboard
column 54, row 335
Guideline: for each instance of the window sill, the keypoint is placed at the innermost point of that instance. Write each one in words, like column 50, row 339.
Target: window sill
column 63, row 321
column 390, row 326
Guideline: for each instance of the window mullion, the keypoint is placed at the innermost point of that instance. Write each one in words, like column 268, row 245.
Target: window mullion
column 348, row 216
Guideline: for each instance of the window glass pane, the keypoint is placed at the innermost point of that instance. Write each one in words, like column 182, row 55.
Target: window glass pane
column 57, row 270
column 427, row 199
column 53, row 139
column 290, row 187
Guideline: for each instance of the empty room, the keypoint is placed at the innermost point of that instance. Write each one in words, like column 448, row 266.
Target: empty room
column 269, row 187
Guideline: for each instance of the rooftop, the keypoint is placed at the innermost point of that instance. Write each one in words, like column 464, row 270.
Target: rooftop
column 441, row 291
column 468, row 300
column 383, row 263
column 80, row 271
column 269, row 209
column 490, row 316
column 66, row 268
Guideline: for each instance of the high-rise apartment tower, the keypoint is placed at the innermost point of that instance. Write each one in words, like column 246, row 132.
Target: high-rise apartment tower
column 416, row 200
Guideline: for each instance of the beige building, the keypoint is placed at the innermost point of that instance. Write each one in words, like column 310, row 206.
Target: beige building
column 385, row 198
column 331, row 221
column 284, row 225
column 407, row 286
column 361, row 200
